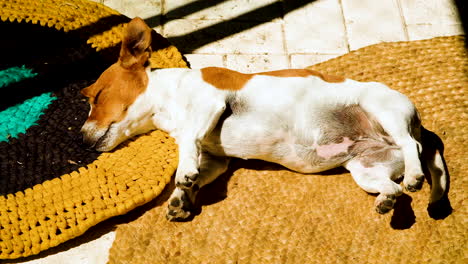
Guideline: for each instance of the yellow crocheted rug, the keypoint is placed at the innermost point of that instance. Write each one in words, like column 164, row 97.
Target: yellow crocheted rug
column 51, row 188
column 261, row 213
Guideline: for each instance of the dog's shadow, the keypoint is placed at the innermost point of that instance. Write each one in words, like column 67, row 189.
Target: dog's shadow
column 403, row 215
column 433, row 143
column 216, row 191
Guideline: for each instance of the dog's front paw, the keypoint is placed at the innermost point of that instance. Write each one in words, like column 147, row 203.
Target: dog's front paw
column 384, row 203
column 187, row 181
column 179, row 206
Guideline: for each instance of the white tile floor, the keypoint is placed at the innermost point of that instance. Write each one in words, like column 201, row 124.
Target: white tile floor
column 268, row 35
column 287, row 33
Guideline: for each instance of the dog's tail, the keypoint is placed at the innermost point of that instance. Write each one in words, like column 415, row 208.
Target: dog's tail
column 433, row 160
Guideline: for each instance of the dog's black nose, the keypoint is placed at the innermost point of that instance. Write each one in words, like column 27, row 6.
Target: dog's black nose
column 88, row 142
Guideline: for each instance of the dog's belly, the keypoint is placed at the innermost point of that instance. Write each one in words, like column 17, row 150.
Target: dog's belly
column 242, row 138
column 282, row 150
column 323, row 139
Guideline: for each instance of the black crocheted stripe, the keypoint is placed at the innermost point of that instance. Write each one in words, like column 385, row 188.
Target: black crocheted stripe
column 58, row 59
column 50, row 149
column 65, row 64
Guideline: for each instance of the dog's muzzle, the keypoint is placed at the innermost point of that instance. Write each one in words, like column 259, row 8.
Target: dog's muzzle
column 93, row 136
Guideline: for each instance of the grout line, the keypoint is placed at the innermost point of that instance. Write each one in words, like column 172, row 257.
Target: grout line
column 431, row 24
column 403, row 19
column 344, row 24
column 163, row 18
column 163, row 7
column 283, row 34
column 285, row 45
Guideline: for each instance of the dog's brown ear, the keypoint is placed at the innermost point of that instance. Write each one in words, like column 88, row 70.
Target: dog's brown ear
column 136, row 44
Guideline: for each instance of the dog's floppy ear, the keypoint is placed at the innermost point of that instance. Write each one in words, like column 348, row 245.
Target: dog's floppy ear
column 89, row 91
column 136, row 44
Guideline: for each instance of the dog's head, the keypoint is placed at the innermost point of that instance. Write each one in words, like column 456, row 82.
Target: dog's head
column 118, row 108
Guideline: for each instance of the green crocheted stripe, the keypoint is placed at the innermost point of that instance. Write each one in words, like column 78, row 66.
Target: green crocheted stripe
column 15, row 74
column 17, row 119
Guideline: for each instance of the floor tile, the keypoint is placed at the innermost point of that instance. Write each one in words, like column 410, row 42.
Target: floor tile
column 219, row 37
column 370, row 22
column 144, row 8
column 304, row 60
column 198, row 61
column 430, row 12
column 256, row 63
column 316, row 28
column 417, row 32
column 94, row 251
column 256, row 10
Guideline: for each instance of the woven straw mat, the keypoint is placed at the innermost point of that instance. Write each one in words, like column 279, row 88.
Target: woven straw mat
column 262, row 213
column 51, row 187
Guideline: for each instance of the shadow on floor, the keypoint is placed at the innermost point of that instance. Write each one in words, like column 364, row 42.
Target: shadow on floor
column 462, row 12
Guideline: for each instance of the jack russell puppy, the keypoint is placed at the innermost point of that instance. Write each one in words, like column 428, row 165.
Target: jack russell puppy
column 306, row 121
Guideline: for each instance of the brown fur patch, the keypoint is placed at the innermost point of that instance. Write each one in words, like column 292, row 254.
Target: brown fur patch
column 227, row 79
column 115, row 90
column 304, row 73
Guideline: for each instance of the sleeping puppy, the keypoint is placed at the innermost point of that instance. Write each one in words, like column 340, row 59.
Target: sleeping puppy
column 306, row 121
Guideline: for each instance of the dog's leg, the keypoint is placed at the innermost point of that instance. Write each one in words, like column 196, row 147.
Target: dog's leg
column 399, row 118
column 407, row 137
column 433, row 157
column 211, row 167
column 182, row 199
column 188, row 167
column 197, row 123
column 377, row 179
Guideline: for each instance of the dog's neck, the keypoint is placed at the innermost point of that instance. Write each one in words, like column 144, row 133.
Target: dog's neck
column 163, row 88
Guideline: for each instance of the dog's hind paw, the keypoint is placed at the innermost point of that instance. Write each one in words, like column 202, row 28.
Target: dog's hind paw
column 384, row 203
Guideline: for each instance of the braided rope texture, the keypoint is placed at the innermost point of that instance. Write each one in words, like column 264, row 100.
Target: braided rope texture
column 14, row 74
column 101, row 25
column 261, row 213
column 23, row 116
column 44, row 214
